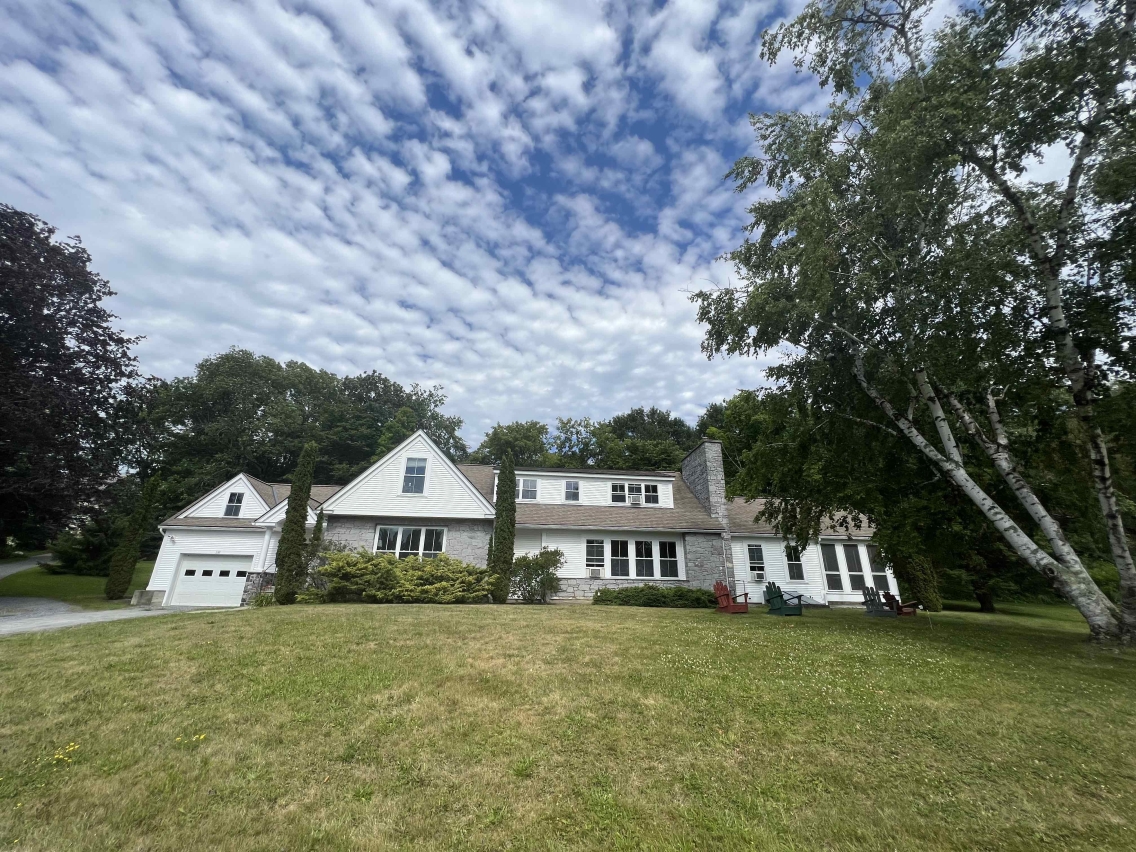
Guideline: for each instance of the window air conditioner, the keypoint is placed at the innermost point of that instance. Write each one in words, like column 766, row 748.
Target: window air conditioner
column 636, row 499
column 595, row 573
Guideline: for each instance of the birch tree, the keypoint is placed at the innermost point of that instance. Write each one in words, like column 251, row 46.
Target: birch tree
column 906, row 258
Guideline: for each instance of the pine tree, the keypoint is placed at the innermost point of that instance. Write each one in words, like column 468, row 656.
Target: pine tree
column 504, row 529
column 290, row 564
column 126, row 555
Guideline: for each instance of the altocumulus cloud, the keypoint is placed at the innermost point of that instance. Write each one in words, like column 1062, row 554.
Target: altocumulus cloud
column 507, row 197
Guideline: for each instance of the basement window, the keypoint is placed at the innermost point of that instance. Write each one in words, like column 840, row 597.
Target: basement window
column 233, row 507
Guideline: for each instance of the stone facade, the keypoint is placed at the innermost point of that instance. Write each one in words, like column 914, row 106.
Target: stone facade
column 705, row 476
column 705, row 556
column 257, row 582
column 467, row 540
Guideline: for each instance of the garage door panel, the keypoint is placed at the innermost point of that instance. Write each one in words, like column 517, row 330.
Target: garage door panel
column 210, row 580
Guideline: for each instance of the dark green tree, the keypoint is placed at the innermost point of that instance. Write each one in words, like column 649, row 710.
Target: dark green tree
column 398, row 429
column 66, row 376
column 526, row 442
column 504, row 529
column 129, row 550
column 291, row 567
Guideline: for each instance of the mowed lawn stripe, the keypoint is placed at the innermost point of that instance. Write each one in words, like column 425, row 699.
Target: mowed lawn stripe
column 375, row 727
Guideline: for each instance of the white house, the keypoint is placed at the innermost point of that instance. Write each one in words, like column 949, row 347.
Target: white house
column 615, row 527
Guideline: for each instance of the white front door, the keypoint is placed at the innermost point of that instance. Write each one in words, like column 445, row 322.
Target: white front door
column 210, row 580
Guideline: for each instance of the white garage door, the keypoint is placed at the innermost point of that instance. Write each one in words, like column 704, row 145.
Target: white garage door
column 210, row 580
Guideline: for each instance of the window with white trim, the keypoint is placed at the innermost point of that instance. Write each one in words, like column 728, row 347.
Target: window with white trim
column 426, row 542
column 594, row 553
column 233, row 507
column 651, row 494
column 793, row 561
column 526, row 489
column 855, row 567
column 644, row 559
column 635, row 493
column 571, row 491
column 618, row 492
column 879, row 569
column 756, row 562
column 668, row 559
column 831, row 568
column 414, row 479
column 620, row 564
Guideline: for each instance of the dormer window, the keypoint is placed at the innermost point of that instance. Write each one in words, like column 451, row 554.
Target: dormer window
column 635, row 494
column 233, row 507
column 618, row 492
column 526, row 489
column 572, row 491
column 651, row 494
column 414, row 480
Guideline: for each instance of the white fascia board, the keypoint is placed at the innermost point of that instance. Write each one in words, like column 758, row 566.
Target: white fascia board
column 329, row 504
column 277, row 513
column 239, row 478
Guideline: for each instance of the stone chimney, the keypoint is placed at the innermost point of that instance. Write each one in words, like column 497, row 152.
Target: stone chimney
column 705, row 476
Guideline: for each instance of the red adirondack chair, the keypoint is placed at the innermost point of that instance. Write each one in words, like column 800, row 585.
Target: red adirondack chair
column 728, row 602
column 904, row 608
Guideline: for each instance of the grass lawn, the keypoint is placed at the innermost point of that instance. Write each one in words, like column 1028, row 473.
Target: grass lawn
column 87, row 592
column 567, row 727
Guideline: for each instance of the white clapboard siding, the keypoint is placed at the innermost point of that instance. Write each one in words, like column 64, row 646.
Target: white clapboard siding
column 777, row 568
column 447, row 493
column 526, row 541
column 593, row 491
column 244, row 542
column 571, row 542
column 252, row 507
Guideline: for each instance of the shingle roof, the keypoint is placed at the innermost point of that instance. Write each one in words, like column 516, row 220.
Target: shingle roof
column 742, row 512
column 272, row 493
column 481, row 475
column 175, row 521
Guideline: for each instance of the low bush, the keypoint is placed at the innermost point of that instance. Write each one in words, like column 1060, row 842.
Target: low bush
column 358, row 576
column 534, row 575
column 262, row 599
column 648, row 595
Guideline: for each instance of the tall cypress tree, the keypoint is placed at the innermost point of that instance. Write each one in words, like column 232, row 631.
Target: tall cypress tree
column 126, row 555
column 504, row 529
column 290, row 564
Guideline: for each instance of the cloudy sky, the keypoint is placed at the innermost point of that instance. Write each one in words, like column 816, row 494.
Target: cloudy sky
column 507, row 197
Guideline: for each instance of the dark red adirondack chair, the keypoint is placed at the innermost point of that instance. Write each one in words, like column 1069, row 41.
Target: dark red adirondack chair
column 728, row 602
column 901, row 608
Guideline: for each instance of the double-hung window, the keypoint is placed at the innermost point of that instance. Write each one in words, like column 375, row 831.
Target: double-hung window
column 879, row 570
column 793, row 561
column 594, row 553
column 651, row 494
column 526, row 489
column 668, row 559
column 756, row 563
column 831, row 568
column 233, row 507
column 635, row 493
column 414, row 480
column 855, row 567
column 572, row 491
column 618, row 492
column 644, row 559
column 426, row 542
column 620, row 564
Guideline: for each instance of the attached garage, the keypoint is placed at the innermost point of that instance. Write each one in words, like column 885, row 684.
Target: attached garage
column 209, row 580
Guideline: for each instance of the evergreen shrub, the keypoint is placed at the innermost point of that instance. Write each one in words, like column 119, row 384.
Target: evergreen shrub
column 665, row 596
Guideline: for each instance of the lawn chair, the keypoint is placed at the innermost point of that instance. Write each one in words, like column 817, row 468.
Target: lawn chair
column 728, row 602
column 901, row 607
column 874, row 606
column 780, row 603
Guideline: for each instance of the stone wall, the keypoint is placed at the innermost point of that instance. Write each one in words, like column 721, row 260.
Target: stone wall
column 705, row 558
column 257, row 582
column 705, row 476
column 467, row 540
column 577, row 588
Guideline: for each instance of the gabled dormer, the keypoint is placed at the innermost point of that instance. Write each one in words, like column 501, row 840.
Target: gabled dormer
column 415, row 479
column 584, row 487
column 236, row 499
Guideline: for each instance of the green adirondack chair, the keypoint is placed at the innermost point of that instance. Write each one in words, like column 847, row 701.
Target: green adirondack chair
column 876, row 607
column 780, row 603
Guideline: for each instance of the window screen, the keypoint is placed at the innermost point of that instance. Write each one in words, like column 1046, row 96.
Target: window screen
column 233, row 507
column 414, row 481
column 831, row 568
column 620, row 564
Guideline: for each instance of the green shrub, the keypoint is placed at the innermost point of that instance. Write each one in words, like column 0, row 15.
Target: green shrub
column 534, row 575
column 648, row 595
column 381, row 578
column 262, row 599
column 87, row 552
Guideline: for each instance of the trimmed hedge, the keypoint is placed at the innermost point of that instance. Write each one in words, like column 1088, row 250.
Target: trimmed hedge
column 648, row 595
column 358, row 576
